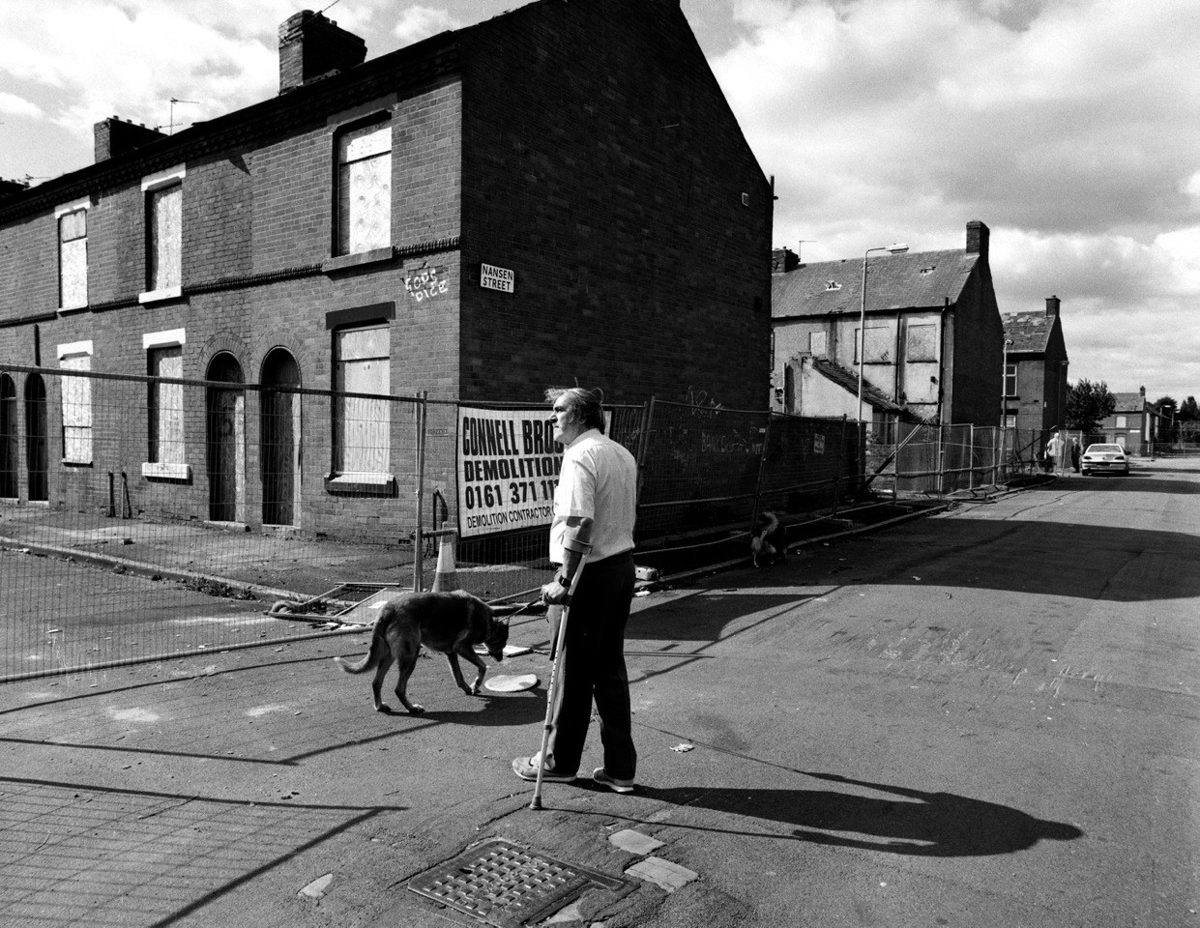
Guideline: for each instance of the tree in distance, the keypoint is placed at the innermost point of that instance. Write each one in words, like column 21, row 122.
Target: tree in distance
column 1088, row 404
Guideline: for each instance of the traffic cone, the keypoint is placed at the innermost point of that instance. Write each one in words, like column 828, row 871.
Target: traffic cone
column 444, row 579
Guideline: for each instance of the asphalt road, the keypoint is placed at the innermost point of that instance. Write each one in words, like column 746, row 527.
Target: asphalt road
column 986, row 719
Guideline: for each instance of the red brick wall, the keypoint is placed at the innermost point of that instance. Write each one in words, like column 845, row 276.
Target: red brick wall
column 604, row 168
column 256, row 230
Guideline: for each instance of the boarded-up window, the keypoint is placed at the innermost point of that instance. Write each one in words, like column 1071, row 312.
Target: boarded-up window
column 362, row 427
column 816, row 344
column 166, row 405
column 879, row 346
column 8, row 437
column 921, row 343
column 72, row 259
column 76, row 407
column 364, row 189
column 164, row 220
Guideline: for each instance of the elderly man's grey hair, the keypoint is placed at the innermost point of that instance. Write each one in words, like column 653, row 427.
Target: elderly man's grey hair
column 588, row 405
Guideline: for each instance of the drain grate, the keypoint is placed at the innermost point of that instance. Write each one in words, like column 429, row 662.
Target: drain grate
column 506, row 885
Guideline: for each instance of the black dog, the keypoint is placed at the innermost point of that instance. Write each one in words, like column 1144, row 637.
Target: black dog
column 452, row 623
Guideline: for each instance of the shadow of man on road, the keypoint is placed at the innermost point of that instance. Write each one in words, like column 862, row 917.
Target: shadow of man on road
column 921, row 824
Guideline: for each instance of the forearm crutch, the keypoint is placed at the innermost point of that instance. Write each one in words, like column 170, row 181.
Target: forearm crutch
column 560, row 647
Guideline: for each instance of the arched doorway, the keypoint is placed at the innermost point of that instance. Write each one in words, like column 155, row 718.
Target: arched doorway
column 37, row 457
column 8, row 437
column 279, row 439
column 225, row 440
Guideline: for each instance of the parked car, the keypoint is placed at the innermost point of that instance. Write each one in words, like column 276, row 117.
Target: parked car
column 1104, row 459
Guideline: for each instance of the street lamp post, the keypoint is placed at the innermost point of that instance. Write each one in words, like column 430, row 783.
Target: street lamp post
column 895, row 249
column 1004, row 402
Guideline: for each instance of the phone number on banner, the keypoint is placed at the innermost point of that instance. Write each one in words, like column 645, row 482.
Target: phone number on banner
column 508, row 468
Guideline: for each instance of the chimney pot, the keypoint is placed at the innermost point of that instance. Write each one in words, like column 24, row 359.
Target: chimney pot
column 1052, row 304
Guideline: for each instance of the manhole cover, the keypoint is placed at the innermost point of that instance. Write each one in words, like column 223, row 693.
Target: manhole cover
column 506, row 885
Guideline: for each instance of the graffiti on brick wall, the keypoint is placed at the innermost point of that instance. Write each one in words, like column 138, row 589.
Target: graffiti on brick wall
column 701, row 404
column 427, row 283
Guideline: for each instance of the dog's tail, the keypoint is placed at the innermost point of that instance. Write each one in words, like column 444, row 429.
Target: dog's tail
column 760, row 546
column 369, row 661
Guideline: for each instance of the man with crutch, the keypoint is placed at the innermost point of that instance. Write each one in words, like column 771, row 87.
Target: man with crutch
column 594, row 509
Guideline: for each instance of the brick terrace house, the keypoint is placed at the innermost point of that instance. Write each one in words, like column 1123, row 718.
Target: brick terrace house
column 933, row 335
column 1035, row 369
column 1134, row 424
column 559, row 192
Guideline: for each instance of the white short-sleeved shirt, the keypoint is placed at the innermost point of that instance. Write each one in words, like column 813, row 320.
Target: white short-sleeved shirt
column 598, row 481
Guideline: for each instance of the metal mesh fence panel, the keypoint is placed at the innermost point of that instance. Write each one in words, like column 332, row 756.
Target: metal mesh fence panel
column 152, row 516
column 808, row 465
column 700, row 469
column 917, row 453
column 955, row 458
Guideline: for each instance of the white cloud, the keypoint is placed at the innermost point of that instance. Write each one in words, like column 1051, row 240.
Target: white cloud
column 1129, row 308
column 420, row 22
column 1075, row 122
column 14, row 105
column 1071, row 127
column 149, row 53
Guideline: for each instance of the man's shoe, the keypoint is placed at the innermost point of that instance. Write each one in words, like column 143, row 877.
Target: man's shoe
column 527, row 769
column 617, row 786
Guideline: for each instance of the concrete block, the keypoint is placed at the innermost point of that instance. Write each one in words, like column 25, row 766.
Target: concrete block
column 634, row 842
column 670, row 876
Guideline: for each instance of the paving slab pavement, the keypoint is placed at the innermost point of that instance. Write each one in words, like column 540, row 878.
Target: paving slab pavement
column 211, row 791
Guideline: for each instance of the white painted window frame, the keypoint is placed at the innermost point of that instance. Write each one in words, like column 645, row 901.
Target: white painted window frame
column 158, row 470
column 157, row 181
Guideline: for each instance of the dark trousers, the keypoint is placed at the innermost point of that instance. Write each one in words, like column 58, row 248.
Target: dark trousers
column 593, row 667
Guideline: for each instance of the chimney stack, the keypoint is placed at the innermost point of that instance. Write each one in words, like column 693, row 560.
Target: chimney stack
column 1052, row 304
column 977, row 239
column 311, row 46
column 784, row 260
column 115, row 136
column 10, row 188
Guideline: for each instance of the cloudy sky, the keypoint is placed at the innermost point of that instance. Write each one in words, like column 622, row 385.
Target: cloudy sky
column 1070, row 127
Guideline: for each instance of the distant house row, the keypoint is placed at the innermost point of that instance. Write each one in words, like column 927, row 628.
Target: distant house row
column 913, row 335
column 919, row 337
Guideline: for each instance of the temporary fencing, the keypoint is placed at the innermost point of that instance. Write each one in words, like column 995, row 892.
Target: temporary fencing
column 924, row 460
column 146, row 517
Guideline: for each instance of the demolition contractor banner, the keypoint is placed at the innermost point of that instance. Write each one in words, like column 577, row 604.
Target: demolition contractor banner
column 508, row 467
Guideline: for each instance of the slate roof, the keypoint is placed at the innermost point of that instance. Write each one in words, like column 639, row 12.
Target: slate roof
column 1029, row 331
column 848, row 380
column 1128, row 402
column 925, row 280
